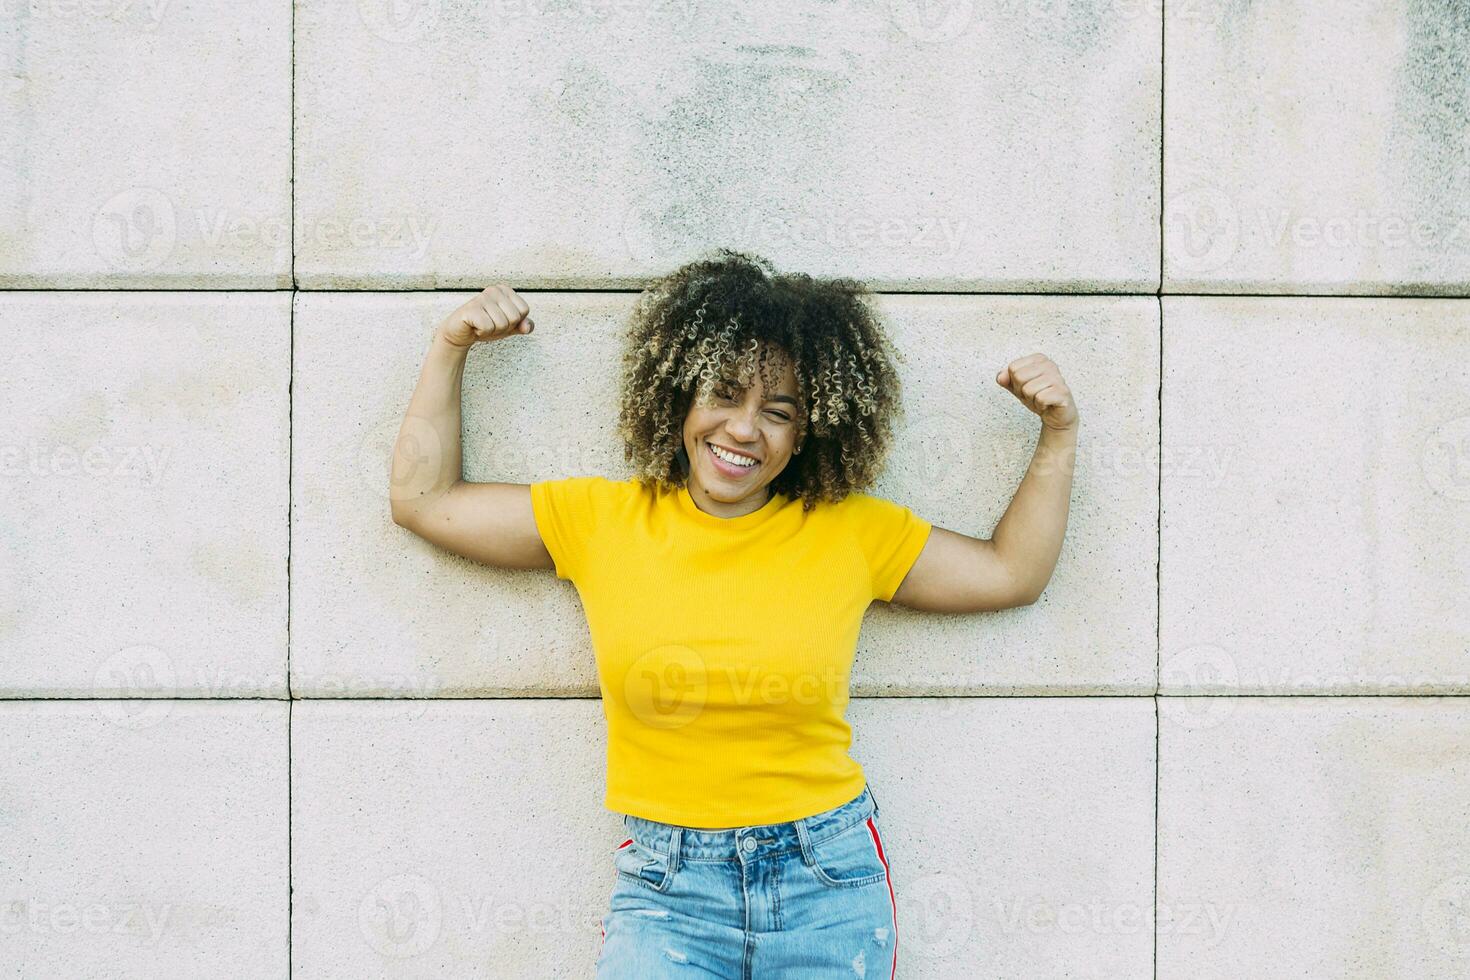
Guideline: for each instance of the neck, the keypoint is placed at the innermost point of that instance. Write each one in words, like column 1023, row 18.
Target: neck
column 728, row 508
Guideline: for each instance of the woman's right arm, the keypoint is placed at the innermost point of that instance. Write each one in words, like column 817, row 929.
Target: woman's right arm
column 485, row 522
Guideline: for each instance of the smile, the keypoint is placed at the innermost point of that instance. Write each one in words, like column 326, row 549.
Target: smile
column 733, row 464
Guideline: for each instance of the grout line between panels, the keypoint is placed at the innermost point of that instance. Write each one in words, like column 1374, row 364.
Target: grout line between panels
column 1159, row 486
column 1324, row 696
column 290, row 480
column 1052, row 294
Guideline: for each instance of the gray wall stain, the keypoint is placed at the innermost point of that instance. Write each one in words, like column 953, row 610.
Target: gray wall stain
column 1429, row 141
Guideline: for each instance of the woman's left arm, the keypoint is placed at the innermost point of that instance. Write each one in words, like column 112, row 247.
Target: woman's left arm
column 958, row 573
column 1028, row 537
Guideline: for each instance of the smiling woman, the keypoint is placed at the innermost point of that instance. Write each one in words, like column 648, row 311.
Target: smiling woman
column 725, row 583
column 793, row 372
column 739, row 434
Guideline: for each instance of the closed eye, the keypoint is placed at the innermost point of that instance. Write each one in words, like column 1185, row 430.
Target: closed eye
column 724, row 393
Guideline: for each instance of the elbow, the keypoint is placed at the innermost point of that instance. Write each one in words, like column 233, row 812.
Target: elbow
column 1026, row 593
column 1027, row 584
column 408, row 510
column 402, row 514
column 1029, row 595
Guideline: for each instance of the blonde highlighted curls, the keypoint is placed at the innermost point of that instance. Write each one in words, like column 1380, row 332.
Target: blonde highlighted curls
column 729, row 316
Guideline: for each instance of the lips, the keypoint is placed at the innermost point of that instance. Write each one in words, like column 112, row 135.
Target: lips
column 736, row 452
column 730, row 469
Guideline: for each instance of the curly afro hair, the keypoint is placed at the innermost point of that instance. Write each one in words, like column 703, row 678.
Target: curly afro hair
column 728, row 316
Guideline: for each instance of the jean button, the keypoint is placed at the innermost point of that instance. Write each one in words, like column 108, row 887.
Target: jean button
column 748, row 844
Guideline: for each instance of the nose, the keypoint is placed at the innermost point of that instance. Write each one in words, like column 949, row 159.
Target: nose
column 742, row 426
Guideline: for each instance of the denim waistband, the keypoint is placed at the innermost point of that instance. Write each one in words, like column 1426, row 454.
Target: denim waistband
column 691, row 843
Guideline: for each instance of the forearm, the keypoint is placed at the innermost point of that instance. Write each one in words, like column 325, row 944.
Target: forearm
column 1028, row 537
column 426, row 454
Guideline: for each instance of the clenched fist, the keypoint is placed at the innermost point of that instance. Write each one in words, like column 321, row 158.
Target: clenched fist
column 1035, row 380
column 497, row 312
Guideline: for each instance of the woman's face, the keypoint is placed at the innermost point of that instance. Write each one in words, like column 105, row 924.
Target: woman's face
column 754, row 424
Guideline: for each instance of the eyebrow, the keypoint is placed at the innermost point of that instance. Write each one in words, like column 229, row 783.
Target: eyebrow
column 774, row 398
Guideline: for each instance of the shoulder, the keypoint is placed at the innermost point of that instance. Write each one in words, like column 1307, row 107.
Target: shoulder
column 877, row 522
column 868, row 518
column 588, row 495
column 590, row 484
column 591, row 488
column 860, row 505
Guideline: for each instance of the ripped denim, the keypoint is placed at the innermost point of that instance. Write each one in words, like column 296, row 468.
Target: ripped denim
column 807, row 898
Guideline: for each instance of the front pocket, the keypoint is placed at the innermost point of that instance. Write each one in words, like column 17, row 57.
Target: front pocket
column 850, row 858
column 642, row 865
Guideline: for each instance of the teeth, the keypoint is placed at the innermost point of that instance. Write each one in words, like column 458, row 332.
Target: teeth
column 730, row 457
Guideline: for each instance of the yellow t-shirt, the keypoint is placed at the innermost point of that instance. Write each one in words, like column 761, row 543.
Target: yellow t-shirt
column 724, row 645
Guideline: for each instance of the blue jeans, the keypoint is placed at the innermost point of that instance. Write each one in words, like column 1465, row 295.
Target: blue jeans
column 806, row 898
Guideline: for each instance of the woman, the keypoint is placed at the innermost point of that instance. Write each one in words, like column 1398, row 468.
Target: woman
column 724, row 585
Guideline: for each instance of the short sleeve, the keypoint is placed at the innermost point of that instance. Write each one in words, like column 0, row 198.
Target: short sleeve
column 890, row 537
column 566, row 513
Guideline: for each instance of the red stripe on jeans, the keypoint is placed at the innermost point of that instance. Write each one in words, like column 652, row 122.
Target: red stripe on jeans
column 878, row 843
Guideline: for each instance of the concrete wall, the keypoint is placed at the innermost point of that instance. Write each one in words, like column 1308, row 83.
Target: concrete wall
column 253, row 728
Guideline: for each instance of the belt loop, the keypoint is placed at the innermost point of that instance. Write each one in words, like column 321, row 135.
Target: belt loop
column 804, row 838
column 869, row 788
column 676, row 844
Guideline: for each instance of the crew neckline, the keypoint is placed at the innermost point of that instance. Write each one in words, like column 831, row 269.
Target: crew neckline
column 687, row 505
